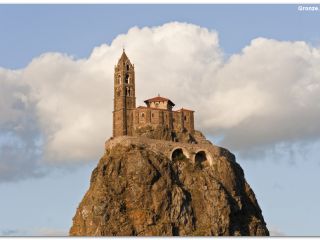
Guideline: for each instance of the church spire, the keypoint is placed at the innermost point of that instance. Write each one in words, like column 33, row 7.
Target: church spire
column 124, row 96
column 124, row 58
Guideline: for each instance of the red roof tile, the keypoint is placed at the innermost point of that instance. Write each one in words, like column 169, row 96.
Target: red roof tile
column 159, row 99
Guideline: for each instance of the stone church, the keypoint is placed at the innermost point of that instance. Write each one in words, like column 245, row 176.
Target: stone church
column 161, row 177
column 155, row 120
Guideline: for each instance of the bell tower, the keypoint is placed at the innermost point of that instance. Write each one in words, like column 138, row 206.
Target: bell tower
column 124, row 97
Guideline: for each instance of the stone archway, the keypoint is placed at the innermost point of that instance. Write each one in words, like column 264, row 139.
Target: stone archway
column 179, row 153
column 202, row 158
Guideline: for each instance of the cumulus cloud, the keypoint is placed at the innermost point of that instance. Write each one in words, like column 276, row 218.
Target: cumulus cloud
column 267, row 94
column 19, row 133
column 60, row 108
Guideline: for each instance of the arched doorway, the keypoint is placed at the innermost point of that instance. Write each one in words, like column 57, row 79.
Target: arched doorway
column 200, row 159
column 178, row 154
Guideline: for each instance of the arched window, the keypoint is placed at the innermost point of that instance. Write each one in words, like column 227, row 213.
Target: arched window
column 128, row 67
column 127, row 78
column 119, row 79
column 142, row 115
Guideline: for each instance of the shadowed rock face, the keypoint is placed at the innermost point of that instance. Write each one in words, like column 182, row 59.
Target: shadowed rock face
column 137, row 189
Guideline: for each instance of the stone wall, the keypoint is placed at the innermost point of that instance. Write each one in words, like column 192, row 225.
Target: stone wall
column 177, row 121
column 155, row 117
column 168, row 147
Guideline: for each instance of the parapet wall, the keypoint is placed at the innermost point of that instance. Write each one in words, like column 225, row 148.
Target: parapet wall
column 205, row 150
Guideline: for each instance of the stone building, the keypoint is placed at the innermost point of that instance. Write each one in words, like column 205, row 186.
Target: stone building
column 158, row 112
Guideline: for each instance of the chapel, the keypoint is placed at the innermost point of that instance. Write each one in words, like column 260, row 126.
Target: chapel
column 158, row 111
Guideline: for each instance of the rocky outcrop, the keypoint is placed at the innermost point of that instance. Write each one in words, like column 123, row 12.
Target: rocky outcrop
column 166, row 134
column 150, row 187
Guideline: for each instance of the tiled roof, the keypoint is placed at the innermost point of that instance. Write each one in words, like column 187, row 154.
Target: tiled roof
column 159, row 99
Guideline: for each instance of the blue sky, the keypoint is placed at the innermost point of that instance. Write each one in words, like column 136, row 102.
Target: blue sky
column 284, row 175
column 30, row 30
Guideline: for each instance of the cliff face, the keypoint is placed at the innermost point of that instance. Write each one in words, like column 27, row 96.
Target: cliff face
column 151, row 187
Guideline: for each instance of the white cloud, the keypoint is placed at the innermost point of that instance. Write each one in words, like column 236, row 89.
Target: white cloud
column 275, row 232
column 265, row 95
column 72, row 106
column 273, row 87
